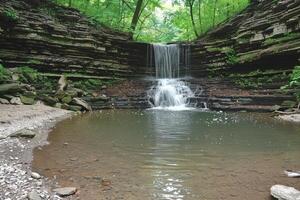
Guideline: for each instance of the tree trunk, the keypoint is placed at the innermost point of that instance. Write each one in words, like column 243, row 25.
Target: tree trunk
column 199, row 13
column 215, row 9
column 135, row 17
column 70, row 3
column 191, row 3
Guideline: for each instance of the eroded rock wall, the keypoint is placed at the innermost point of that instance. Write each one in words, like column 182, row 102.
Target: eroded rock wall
column 243, row 63
column 59, row 40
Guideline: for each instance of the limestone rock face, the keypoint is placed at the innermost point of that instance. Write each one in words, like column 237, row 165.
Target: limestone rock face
column 67, row 42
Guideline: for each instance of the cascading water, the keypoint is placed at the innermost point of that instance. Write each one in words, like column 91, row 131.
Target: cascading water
column 170, row 92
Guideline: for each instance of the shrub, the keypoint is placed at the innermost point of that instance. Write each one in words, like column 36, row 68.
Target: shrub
column 8, row 18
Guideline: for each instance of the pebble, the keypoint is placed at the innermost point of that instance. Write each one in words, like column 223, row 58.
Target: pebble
column 33, row 195
column 66, row 191
column 35, row 175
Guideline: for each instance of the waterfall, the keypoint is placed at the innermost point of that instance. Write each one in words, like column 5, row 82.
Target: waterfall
column 170, row 92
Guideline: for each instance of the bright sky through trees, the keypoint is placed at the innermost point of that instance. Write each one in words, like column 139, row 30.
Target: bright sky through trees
column 159, row 20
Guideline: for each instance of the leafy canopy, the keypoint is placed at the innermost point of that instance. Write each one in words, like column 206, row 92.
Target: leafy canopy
column 160, row 20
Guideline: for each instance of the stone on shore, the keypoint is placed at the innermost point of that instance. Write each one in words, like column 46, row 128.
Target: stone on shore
column 4, row 101
column 283, row 192
column 23, row 133
column 16, row 101
column 33, row 195
column 35, row 175
column 291, row 118
column 66, row 191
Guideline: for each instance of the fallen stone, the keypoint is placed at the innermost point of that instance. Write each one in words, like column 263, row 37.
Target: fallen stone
column 66, row 191
column 23, row 133
column 66, row 99
column 35, row 175
column 82, row 103
column 33, row 195
column 11, row 88
column 291, row 118
column 16, row 101
column 283, row 192
column 62, row 83
column 4, row 101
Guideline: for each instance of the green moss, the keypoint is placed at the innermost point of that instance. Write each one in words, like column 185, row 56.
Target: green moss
column 294, row 83
column 285, row 38
column 231, row 56
column 4, row 74
column 27, row 74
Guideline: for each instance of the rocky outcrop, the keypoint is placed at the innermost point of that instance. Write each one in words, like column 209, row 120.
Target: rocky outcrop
column 56, row 39
column 243, row 63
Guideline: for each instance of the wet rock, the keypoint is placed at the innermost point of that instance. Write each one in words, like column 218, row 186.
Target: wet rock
column 16, row 101
column 283, row 192
column 66, row 191
column 33, row 195
column 27, row 100
column 82, row 103
column 4, row 101
column 62, row 83
column 35, row 175
column 23, row 133
column 75, row 108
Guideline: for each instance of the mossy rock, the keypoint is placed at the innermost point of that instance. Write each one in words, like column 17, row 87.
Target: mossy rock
column 27, row 100
column 66, row 99
column 288, row 104
column 51, row 101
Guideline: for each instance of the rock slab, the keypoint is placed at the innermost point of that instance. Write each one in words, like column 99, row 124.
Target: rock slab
column 283, row 192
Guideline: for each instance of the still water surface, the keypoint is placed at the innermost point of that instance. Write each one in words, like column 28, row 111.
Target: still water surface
column 168, row 155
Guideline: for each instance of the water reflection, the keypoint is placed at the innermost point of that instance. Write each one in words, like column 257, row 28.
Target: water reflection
column 171, row 131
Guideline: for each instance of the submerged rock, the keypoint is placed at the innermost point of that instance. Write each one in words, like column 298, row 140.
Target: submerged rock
column 66, row 191
column 33, row 195
column 24, row 133
column 283, row 192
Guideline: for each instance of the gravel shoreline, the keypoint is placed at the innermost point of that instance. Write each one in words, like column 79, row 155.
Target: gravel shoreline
column 16, row 182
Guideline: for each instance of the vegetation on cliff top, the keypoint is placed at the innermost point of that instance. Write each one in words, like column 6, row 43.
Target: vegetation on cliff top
column 159, row 20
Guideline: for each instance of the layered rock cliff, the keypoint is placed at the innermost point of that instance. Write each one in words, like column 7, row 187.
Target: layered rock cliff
column 244, row 62
column 57, row 39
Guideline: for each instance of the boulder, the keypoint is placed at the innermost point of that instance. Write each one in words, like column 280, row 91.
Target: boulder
column 66, row 99
column 11, row 88
column 82, row 103
column 23, row 133
column 4, row 101
column 283, row 192
column 66, row 191
column 51, row 101
column 27, row 100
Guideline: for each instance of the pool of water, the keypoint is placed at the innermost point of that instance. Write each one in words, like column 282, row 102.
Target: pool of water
column 169, row 155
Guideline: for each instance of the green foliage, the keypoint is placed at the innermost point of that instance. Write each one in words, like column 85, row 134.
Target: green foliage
column 159, row 21
column 89, row 84
column 285, row 38
column 27, row 74
column 11, row 14
column 231, row 56
column 4, row 74
column 294, row 82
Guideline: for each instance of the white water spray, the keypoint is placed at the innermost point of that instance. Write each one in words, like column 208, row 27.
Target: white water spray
column 170, row 92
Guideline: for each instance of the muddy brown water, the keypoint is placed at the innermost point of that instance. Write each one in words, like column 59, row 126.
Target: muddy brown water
column 167, row 155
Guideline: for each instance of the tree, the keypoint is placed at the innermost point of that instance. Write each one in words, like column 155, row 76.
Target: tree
column 136, row 16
